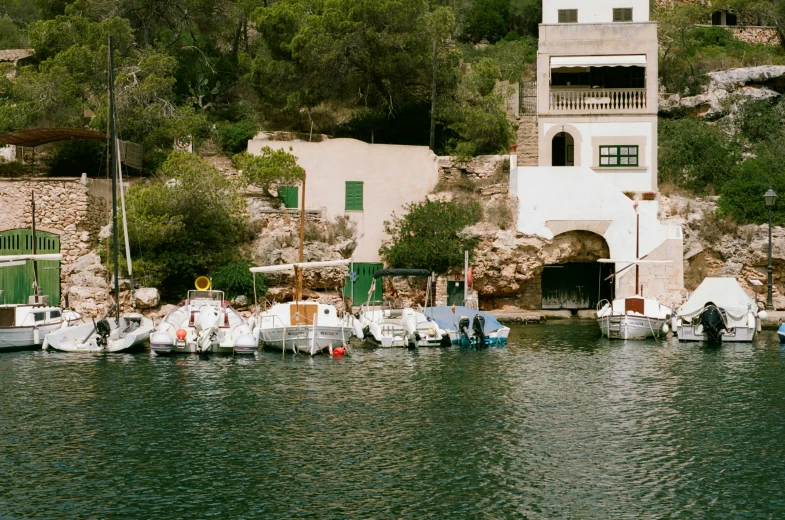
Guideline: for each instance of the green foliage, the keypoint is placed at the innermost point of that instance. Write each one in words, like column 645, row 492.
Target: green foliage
column 429, row 236
column 233, row 137
column 694, row 155
column 761, row 120
column 235, row 278
column 487, row 19
column 10, row 35
column 183, row 224
column 271, row 169
column 742, row 197
column 72, row 158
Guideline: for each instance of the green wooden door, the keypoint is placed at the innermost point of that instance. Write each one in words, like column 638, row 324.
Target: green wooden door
column 454, row 293
column 358, row 291
column 17, row 282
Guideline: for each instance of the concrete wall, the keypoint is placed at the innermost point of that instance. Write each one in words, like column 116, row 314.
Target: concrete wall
column 594, row 11
column 591, row 132
column 553, row 201
column 393, row 176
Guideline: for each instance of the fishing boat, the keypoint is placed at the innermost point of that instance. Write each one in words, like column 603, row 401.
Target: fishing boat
column 385, row 326
column 718, row 311
column 204, row 323
column 469, row 327
column 122, row 332
column 23, row 326
column 302, row 326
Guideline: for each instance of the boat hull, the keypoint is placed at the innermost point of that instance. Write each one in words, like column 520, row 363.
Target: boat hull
column 24, row 338
column 695, row 333
column 497, row 338
column 305, row 339
column 630, row 327
column 82, row 338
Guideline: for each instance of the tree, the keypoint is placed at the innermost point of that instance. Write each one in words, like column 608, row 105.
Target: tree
column 742, row 196
column 271, row 169
column 429, row 236
column 184, row 224
column 10, row 37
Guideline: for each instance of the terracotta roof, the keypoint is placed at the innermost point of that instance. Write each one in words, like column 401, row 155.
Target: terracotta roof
column 38, row 136
column 14, row 55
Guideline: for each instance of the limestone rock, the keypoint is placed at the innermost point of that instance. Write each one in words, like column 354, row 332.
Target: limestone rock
column 241, row 302
column 147, row 297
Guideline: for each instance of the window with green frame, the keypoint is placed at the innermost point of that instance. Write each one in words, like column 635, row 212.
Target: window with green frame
column 289, row 196
column 354, row 196
column 618, row 156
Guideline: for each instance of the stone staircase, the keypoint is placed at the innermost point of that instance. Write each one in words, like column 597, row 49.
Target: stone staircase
column 528, row 147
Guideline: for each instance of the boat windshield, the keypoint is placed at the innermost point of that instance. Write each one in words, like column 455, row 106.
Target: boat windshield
column 206, row 295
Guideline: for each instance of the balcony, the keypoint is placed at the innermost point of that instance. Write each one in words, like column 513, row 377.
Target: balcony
column 597, row 100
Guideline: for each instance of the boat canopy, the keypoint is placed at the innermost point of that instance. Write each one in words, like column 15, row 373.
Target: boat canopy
column 446, row 319
column 401, row 272
column 725, row 293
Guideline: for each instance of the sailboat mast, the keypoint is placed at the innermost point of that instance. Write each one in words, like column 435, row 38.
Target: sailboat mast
column 298, row 274
column 113, row 170
column 35, row 244
column 637, row 247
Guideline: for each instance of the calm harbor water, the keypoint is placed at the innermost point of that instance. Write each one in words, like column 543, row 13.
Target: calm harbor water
column 560, row 424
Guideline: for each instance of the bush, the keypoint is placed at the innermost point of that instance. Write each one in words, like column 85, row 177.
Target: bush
column 429, row 236
column 72, row 158
column 760, row 120
column 235, row 278
column 233, row 137
column 742, row 197
column 500, row 213
column 714, row 226
column 694, row 155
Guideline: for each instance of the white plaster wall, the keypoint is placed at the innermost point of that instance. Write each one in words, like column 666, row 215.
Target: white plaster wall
column 594, row 11
column 577, row 198
column 393, row 176
column 603, row 131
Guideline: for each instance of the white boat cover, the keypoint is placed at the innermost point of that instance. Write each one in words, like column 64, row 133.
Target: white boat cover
column 722, row 292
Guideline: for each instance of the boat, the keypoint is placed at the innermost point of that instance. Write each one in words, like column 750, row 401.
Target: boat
column 404, row 327
column 633, row 318
column 469, row 327
column 718, row 311
column 302, row 326
column 23, row 326
column 204, row 323
column 122, row 332
column 781, row 333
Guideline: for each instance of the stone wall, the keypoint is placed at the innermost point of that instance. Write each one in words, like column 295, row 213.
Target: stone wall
column 479, row 168
column 754, row 34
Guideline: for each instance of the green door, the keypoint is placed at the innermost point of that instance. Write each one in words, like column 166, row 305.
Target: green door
column 358, row 290
column 17, row 282
column 454, row 293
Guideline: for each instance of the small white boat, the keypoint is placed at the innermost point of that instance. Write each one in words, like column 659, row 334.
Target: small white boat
column 304, row 327
column 469, row 327
column 407, row 327
column 105, row 335
column 718, row 311
column 204, row 323
column 633, row 318
column 25, row 326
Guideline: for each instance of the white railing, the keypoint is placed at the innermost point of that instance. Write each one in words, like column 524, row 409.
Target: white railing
column 598, row 100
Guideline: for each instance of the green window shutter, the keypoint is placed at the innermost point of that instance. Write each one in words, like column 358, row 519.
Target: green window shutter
column 354, row 196
column 289, row 196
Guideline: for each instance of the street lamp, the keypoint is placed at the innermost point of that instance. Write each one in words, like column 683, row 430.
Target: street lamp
column 770, row 197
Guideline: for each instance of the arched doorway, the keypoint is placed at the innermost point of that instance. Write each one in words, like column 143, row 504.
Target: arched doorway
column 563, row 150
column 575, row 280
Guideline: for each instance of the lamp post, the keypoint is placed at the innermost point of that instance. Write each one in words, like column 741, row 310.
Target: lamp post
column 770, row 197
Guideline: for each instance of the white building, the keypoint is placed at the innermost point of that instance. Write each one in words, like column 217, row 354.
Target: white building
column 597, row 139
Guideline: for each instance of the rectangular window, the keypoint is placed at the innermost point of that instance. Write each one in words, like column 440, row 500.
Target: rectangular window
column 618, row 156
column 622, row 15
column 354, row 196
column 568, row 16
column 289, row 196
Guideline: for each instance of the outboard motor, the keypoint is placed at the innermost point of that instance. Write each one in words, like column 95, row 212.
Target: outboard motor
column 713, row 324
column 478, row 327
column 103, row 330
column 463, row 326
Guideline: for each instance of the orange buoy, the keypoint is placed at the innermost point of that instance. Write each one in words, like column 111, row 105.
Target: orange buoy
column 469, row 277
column 339, row 351
column 181, row 334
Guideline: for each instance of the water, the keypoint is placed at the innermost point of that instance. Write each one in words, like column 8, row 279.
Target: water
column 561, row 424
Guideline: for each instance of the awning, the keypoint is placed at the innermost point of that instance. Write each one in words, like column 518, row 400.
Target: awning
column 633, row 60
column 37, row 136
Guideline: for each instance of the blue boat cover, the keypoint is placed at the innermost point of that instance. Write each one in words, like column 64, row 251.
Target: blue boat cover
column 445, row 318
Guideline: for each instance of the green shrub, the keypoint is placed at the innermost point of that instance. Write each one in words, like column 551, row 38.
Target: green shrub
column 235, row 278
column 72, row 158
column 760, row 120
column 742, row 196
column 429, row 236
column 233, row 137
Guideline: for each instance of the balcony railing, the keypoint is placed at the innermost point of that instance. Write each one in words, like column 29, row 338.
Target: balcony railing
column 598, row 100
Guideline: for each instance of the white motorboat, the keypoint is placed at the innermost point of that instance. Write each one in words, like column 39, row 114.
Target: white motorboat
column 24, row 326
column 407, row 327
column 718, row 311
column 121, row 332
column 469, row 327
column 205, row 323
column 304, row 327
column 632, row 318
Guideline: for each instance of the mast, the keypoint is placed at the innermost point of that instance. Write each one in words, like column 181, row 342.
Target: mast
column 113, row 172
column 637, row 246
column 298, row 271
column 35, row 245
